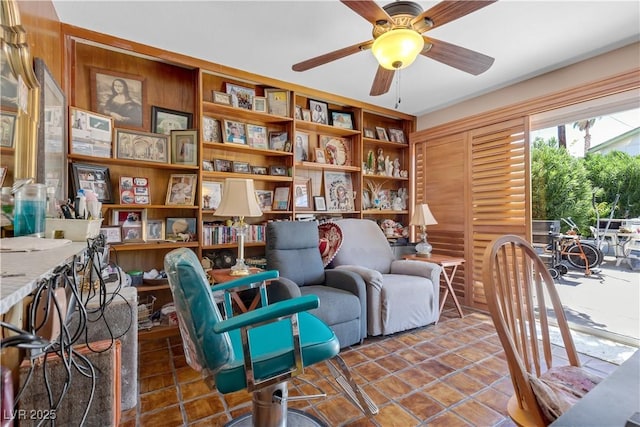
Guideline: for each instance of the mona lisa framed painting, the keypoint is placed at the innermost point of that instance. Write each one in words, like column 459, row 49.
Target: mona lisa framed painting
column 121, row 96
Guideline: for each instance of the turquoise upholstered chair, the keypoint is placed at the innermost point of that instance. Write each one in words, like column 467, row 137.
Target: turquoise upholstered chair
column 258, row 350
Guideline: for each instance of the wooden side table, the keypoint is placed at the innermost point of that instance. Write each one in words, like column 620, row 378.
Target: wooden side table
column 222, row 275
column 444, row 261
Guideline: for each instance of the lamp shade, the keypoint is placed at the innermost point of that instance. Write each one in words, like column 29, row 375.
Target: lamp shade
column 423, row 216
column 238, row 199
column 397, row 49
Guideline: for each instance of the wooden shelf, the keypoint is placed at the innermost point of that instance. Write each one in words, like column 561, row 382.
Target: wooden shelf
column 247, row 149
column 152, row 246
column 255, row 177
column 130, row 163
column 132, row 206
column 326, row 166
column 381, row 143
column 384, row 177
column 233, row 245
column 212, row 108
column 325, row 129
column 386, row 212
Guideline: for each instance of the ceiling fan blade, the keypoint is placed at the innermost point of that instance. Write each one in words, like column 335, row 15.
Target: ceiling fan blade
column 382, row 81
column 369, row 10
column 447, row 11
column 458, row 57
column 331, row 56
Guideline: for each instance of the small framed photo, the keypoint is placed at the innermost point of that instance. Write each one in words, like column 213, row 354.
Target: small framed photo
column 91, row 134
column 301, row 147
column 211, row 194
column 382, row 133
column 134, row 191
column 306, row 115
column 183, row 229
column 257, row 136
column 302, row 193
column 3, row 174
column 241, row 167
column 211, row 130
column 119, row 96
column 277, row 101
column 164, row 120
column 298, row 113
column 154, row 230
column 369, row 133
column 265, row 199
column 184, row 147
column 319, row 203
column 320, row 156
column 207, row 165
column 94, row 178
column 259, row 170
column 278, row 170
column 181, row 189
column 396, row 135
column 235, row 132
column 278, row 140
column 131, row 221
column 221, row 98
column 7, row 129
column 241, row 96
column 145, row 146
column 222, row 165
column 342, row 119
column 112, row 234
column 260, row 104
column 281, row 199
column 319, row 112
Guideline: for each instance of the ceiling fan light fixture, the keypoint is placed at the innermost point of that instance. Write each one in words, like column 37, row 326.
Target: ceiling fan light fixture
column 397, row 49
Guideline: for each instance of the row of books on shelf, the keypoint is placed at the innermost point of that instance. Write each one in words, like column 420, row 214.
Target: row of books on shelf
column 215, row 234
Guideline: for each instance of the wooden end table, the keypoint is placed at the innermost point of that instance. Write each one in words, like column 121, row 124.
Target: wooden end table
column 223, row 275
column 444, row 261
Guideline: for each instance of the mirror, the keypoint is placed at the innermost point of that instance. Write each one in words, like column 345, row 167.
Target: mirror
column 20, row 80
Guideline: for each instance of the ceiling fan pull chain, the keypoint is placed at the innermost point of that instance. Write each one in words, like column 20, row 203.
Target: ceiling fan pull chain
column 398, row 88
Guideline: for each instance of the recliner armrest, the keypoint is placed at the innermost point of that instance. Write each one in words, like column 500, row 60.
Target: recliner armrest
column 271, row 312
column 371, row 277
column 428, row 270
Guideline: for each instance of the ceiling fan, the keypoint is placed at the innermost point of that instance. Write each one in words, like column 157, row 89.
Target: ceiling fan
column 398, row 40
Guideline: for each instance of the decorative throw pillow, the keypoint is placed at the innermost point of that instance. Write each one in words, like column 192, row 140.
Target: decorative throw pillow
column 330, row 241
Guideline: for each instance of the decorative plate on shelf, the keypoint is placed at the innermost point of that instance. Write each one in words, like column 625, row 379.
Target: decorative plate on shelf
column 336, row 150
column 330, row 241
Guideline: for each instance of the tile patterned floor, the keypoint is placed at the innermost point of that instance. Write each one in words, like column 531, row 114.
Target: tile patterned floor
column 450, row 374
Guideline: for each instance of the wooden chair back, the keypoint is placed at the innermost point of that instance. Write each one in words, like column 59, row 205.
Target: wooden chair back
column 522, row 298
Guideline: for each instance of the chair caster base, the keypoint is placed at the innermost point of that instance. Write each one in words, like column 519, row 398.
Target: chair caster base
column 295, row 418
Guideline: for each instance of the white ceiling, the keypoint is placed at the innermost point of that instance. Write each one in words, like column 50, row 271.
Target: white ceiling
column 526, row 38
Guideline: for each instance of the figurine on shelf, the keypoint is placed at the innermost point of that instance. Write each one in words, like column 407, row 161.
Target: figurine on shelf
column 370, row 162
column 403, row 196
column 396, row 168
column 397, row 204
column 380, row 167
column 388, row 166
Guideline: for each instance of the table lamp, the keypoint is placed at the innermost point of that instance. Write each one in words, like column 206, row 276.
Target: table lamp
column 239, row 200
column 423, row 217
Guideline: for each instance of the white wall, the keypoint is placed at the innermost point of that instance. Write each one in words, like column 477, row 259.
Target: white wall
column 608, row 64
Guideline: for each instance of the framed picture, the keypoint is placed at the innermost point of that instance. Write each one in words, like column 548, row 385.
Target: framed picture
column 211, row 194
column 342, row 119
column 319, row 203
column 132, row 222
column 265, row 199
column 306, row 115
column 260, row 104
column 278, row 140
column 184, row 147
column 338, row 191
column 181, row 189
column 278, row 170
column 120, row 96
column 154, row 230
column 221, row 98
column 164, row 120
column 235, row 132
column 337, row 150
column 241, row 167
column 319, row 112
column 9, row 95
column 257, row 136
column 396, row 135
column 281, row 199
column 8, row 128
column 302, row 193
column 112, row 234
column 3, row 174
column 145, row 146
column 52, row 132
column 277, row 101
column 259, row 170
column 319, row 155
column 94, row 178
column 181, row 229
column 91, row 133
column 241, row 96
column 369, row 133
column 211, row 130
column 298, row 113
column 207, row 165
column 301, row 147
column 222, row 165
column 134, row 190
column 382, row 133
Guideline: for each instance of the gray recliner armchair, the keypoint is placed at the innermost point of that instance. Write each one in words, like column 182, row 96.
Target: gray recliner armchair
column 401, row 294
column 292, row 248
